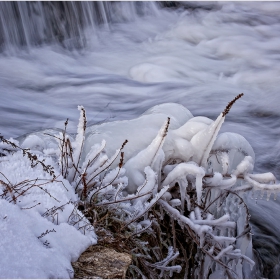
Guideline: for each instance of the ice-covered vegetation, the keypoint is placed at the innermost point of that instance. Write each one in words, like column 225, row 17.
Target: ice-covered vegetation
column 165, row 187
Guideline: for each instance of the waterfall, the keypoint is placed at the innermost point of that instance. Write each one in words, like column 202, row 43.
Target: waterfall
column 28, row 24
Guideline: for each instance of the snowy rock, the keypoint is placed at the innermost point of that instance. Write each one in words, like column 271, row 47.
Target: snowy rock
column 101, row 262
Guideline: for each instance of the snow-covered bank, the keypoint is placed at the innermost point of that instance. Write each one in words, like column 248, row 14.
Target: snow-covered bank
column 37, row 236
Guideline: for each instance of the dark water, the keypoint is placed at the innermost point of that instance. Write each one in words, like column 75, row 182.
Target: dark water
column 119, row 59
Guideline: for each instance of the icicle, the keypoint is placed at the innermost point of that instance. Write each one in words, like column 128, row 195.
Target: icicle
column 236, row 254
column 201, row 240
column 225, row 162
column 183, row 184
column 180, row 218
column 188, row 200
column 198, row 185
column 209, row 216
column 161, row 212
column 197, row 213
column 192, row 216
column 268, row 194
column 252, row 194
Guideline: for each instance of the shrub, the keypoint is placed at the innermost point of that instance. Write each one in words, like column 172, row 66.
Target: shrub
column 184, row 215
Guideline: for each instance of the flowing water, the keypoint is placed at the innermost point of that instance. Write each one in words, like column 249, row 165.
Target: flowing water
column 118, row 59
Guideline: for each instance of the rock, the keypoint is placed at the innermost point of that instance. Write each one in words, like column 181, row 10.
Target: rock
column 101, row 262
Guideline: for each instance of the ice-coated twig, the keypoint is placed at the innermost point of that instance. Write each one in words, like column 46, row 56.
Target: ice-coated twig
column 245, row 166
column 149, row 205
column 226, row 184
column 259, row 186
column 131, row 197
column 151, row 156
column 203, row 141
column 181, row 171
column 104, row 166
column 263, row 178
column 138, row 271
column 162, row 133
column 149, row 185
column 162, row 265
column 236, row 254
column 78, row 143
column 200, row 230
column 93, row 154
column 223, row 239
column 221, row 222
column 224, row 251
column 138, row 232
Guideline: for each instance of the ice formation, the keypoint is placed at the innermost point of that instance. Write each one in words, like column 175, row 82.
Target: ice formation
column 172, row 160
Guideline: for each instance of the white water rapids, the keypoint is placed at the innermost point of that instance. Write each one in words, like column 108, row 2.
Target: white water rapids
column 201, row 56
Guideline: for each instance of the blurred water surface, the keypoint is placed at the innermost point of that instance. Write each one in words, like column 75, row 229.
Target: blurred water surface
column 118, row 60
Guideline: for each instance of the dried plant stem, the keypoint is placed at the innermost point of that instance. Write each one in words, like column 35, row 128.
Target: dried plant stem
column 33, row 158
column 122, row 200
column 227, row 109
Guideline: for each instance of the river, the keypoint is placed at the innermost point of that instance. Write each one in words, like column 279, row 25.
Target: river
column 120, row 59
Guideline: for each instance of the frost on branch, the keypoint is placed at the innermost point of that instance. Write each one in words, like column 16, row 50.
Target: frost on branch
column 78, row 144
column 195, row 177
column 152, row 156
column 175, row 189
column 162, row 265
